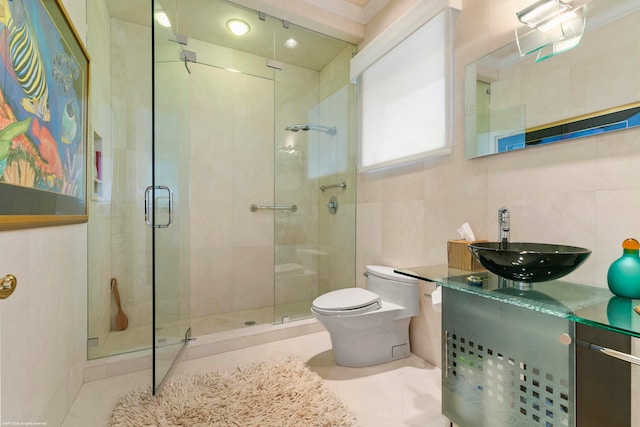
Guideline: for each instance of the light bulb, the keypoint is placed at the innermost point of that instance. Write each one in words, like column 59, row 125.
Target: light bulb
column 291, row 43
column 238, row 27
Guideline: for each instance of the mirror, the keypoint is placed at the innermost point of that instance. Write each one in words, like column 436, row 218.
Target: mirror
column 514, row 102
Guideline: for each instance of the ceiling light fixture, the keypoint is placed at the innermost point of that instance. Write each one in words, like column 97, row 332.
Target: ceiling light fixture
column 291, row 43
column 162, row 19
column 541, row 11
column 550, row 27
column 238, row 27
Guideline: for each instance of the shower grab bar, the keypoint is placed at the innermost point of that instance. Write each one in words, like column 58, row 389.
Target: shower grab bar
column 291, row 208
column 342, row 185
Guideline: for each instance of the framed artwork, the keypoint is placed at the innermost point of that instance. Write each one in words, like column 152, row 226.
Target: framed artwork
column 44, row 75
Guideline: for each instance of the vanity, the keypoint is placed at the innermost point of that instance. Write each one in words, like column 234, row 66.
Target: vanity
column 557, row 354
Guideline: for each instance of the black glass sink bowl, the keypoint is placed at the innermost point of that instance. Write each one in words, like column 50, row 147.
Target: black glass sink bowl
column 529, row 262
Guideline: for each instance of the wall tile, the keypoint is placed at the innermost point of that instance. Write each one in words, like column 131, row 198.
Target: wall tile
column 44, row 322
column 582, row 192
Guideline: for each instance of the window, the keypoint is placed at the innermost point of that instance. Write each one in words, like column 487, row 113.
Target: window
column 405, row 99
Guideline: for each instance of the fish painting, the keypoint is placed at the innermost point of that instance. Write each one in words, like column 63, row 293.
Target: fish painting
column 48, row 150
column 42, row 101
column 6, row 136
column 26, row 60
column 65, row 70
column 69, row 123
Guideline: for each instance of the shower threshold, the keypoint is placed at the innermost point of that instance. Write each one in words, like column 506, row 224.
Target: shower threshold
column 205, row 345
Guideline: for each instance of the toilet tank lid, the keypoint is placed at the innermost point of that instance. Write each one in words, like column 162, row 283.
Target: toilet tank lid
column 346, row 299
column 388, row 273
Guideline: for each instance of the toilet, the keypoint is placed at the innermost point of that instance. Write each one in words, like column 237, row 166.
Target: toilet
column 370, row 326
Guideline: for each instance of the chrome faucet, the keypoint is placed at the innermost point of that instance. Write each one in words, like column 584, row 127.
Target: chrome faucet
column 503, row 224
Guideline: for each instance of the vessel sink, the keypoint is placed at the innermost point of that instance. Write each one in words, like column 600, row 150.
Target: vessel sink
column 529, row 262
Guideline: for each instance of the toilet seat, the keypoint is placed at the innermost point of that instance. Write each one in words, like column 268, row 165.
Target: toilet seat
column 347, row 301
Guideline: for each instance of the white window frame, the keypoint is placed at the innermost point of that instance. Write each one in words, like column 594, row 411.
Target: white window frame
column 431, row 124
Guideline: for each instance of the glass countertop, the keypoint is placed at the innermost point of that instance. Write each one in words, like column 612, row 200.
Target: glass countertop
column 590, row 305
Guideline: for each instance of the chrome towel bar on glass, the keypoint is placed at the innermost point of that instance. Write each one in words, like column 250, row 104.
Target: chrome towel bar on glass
column 342, row 185
column 291, row 208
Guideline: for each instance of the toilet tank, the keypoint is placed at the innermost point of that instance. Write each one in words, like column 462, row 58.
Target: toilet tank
column 393, row 287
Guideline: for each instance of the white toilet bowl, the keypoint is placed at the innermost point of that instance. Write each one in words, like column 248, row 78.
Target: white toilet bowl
column 370, row 326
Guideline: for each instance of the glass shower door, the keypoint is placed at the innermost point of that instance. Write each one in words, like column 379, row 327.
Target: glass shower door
column 167, row 199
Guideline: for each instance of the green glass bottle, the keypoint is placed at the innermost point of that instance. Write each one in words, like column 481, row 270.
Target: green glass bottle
column 623, row 277
column 620, row 312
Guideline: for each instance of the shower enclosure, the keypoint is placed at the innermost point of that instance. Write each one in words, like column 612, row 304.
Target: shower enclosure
column 255, row 138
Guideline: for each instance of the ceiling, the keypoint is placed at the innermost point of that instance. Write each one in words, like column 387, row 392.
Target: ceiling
column 205, row 20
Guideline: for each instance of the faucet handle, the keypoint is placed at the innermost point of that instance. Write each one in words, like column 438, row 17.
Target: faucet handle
column 503, row 225
column 503, row 215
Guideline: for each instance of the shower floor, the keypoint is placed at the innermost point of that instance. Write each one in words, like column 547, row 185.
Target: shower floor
column 139, row 337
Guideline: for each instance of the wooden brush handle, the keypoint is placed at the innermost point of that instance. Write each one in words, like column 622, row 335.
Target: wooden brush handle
column 116, row 294
column 121, row 319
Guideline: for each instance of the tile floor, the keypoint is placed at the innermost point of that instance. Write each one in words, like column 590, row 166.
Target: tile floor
column 403, row 393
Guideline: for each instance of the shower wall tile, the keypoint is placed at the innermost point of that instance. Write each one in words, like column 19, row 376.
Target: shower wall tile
column 252, row 277
column 253, row 98
column 252, row 183
column 99, row 256
column 336, row 74
column 341, row 267
column 337, row 231
column 211, row 136
column 335, row 163
column 210, row 89
column 253, row 137
column 232, row 135
column 211, row 185
column 211, row 219
column 130, row 60
column 252, row 228
column 212, row 269
column 131, row 124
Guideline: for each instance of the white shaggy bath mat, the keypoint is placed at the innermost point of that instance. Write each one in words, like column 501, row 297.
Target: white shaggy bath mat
column 274, row 393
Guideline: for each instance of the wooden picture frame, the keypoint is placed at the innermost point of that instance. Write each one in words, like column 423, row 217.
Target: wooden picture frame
column 44, row 84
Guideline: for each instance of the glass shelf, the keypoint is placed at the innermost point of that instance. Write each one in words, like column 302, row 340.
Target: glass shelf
column 590, row 305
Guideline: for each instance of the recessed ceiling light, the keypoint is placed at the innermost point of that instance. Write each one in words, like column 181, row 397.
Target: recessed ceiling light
column 291, row 43
column 238, row 27
column 162, row 19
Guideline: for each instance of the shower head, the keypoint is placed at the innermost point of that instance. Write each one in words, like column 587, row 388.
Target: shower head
column 310, row 126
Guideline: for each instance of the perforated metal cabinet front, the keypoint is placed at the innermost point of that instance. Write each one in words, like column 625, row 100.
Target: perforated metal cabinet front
column 503, row 365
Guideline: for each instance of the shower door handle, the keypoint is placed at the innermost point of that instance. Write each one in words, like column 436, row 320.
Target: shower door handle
column 149, row 205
